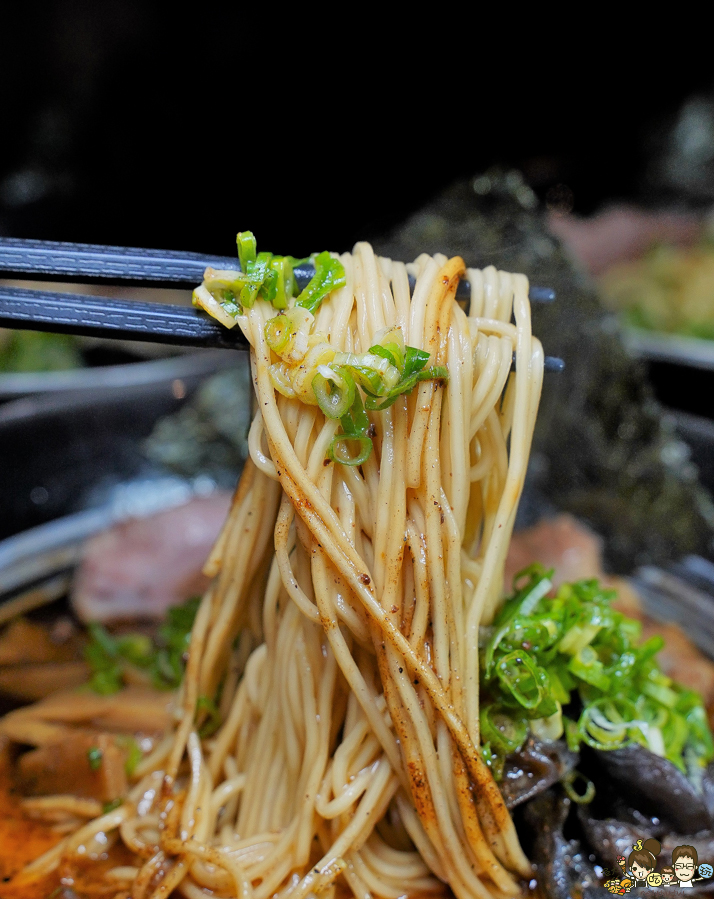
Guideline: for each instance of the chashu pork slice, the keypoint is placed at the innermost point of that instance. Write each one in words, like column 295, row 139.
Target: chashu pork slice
column 138, row 569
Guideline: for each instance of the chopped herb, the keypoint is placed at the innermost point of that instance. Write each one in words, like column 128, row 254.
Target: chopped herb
column 163, row 659
column 569, row 782
column 329, row 275
column 102, row 655
column 172, row 641
column 355, row 432
column 94, row 757
column 212, row 720
column 384, row 373
column 570, row 664
column 247, row 249
column 110, row 806
column 133, row 754
column 225, row 293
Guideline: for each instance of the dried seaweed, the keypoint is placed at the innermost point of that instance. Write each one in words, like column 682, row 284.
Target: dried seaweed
column 604, row 449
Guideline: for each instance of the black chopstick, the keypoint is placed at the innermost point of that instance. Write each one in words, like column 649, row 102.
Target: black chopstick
column 89, row 316
column 92, row 316
column 53, row 260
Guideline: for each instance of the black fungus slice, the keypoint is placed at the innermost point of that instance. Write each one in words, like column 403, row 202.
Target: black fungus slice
column 533, row 769
column 564, row 869
column 657, row 788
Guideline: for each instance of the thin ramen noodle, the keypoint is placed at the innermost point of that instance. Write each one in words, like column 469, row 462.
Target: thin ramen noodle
column 339, row 637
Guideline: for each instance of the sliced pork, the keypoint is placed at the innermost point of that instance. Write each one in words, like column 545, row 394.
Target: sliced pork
column 139, row 568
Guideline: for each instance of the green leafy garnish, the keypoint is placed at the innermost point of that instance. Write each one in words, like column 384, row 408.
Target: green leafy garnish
column 355, row 432
column 224, row 294
column 172, row 642
column 572, row 664
column 163, row 659
column 411, row 373
column 212, row 719
column 247, row 249
column 384, row 373
column 110, row 806
column 133, row 754
column 387, row 371
column 329, row 275
column 334, row 390
column 94, row 757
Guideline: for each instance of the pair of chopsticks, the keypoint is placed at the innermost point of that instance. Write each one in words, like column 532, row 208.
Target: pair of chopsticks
column 95, row 316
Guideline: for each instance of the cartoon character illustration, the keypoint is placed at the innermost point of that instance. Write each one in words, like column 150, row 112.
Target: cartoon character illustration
column 618, row 887
column 667, row 876
column 642, row 860
column 684, row 862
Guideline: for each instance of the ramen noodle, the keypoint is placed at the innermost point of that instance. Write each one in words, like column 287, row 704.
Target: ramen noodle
column 338, row 641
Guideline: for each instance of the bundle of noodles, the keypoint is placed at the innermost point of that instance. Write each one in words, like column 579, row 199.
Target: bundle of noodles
column 347, row 757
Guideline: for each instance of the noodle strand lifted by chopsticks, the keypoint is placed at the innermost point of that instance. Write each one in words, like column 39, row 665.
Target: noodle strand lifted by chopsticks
column 348, row 756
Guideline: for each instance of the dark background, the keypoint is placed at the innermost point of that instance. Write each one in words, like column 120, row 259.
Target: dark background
column 141, row 123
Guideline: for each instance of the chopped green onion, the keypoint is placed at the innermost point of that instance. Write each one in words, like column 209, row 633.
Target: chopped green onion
column 246, row 249
column 257, row 271
column 578, row 637
column 414, row 361
column 375, row 374
column 284, row 283
column 606, row 723
column 569, row 782
column 334, row 390
column 663, row 694
column 519, row 674
column 355, row 426
column 385, row 354
column 287, row 333
column 571, row 663
column 133, row 756
column 406, row 384
column 111, row 806
column 550, row 727
column 203, row 298
column 339, row 450
column 390, row 344
column 212, row 720
column 501, row 730
column 586, row 665
column 94, row 757
column 494, row 760
column 163, row 659
column 329, row 275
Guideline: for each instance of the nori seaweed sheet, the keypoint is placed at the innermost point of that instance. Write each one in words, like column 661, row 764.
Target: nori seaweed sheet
column 604, row 449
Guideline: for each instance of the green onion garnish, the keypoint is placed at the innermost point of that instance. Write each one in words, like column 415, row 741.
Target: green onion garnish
column 571, row 663
column 334, row 390
column 329, row 275
column 163, row 659
column 94, row 757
